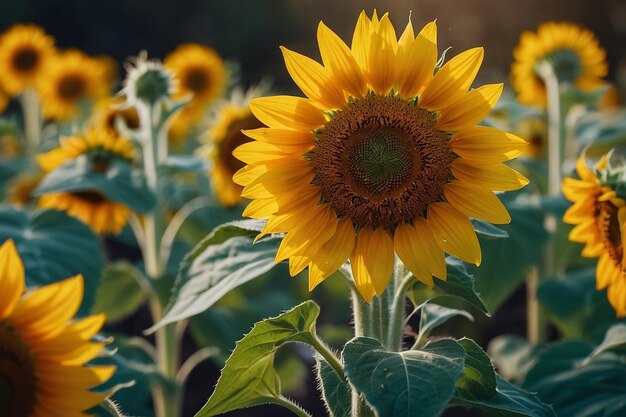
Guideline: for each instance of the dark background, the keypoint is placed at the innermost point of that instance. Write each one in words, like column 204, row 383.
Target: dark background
column 249, row 33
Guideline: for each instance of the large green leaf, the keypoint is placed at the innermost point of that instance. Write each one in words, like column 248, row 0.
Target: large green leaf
column 479, row 377
column 54, row 246
column 224, row 260
column 120, row 182
column 410, row 383
column 119, row 294
column 336, row 394
column 249, row 377
column 434, row 315
column 506, row 261
column 615, row 339
column 459, row 283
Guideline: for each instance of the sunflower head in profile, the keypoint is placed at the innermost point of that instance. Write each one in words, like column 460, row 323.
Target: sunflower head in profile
column 24, row 51
column 71, row 79
column 90, row 206
column 224, row 136
column 573, row 52
column 108, row 111
column 384, row 157
column 599, row 213
column 42, row 352
column 147, row 81
column 199, row 71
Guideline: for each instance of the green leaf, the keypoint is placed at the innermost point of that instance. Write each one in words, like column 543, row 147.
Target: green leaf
column 434, row 315
column 177, row 164
column 488, row 230
column 54, row 246
column 460, row 284
column 506, row 261
column 119, row 294
column 336, row 394
column 615, row 339
column 221, row 262
column 513, row 356
column 118, row 183
column 509, row 401
column 249, row 377
column 410, row 383
column 479, row 377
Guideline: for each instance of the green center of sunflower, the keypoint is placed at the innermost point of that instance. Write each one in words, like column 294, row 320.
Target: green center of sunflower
column 608, row 224
column 18, row 381
column 566, row 64
column 72, row 87
column 381, row 161
column 25, row 59
column 196, row 80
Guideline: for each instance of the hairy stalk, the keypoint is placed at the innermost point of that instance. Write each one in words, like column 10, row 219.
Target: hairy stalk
column 287, row 403
column 330, row 357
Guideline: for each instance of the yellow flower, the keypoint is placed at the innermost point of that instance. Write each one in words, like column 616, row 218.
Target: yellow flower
column 20, row 189
column 199, row 72
column 183, row 124
column 383, row 157
column 42, row 353
column 600, row 218
column 225, row 135
column 71, row 80
column 89, row 206
column 108, row 110
column 24, row 51
column 573, row 51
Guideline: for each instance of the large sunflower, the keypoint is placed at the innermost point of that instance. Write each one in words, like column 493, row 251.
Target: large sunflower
column 600, row 218
column 90, row 206
column 573, row 51
column 24, row 51
column 42, row 353
column 383, row 157
column 70, row 80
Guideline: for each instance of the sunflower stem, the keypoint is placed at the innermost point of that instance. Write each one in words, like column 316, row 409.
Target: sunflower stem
column 287, row 403
column 396, row 325
column 31, row 111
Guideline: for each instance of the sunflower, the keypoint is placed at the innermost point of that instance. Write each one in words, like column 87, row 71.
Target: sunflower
column 383, row 157
column 107, row 111
column 199, row 72
column 90, row 206
column 572, row 50
column 599, row 214
column 70, row 80
column 24, row 51
column 226, row 135
column 20, row 189
column 42, row 353
column 183, row 123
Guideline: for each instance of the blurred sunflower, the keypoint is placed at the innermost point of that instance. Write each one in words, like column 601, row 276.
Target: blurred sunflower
column 383, row 157
column 573, row 51
column 71, row 79
column 4, row 99
column 24, row 51
column 90, row 206
column 599, row 214
column 183, row 123
column 42, row 353
column 20, row 189
column 107, row 111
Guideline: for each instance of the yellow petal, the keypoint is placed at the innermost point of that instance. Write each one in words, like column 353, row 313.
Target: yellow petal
column 287, row 112
column 261, row 208
column 496, row 177
column 249, row 173
column 471, row 108
column 280, row 179
column 297, row 264
column 361, row 40
column 339, row 61
column 362, row 278
column 452, row 80
column 313, row 80
column 575, row 190
column 381, row 59
column 280, row 136
column 309, row 234
column 454, row 232
column 333, row 254
column 416, row 61
column 476, row 201
column 418, row 250
column 376, row 249
column 259, row 153
column 11, row 278
column 486, row 145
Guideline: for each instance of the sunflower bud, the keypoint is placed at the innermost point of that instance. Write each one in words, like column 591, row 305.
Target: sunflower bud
column 147, row 81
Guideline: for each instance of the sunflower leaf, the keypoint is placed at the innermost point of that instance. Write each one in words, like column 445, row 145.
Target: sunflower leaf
column 118, row 183
column 434, row 315
column 615, row 339
column 224, row 260
column 414, row 382
column 336, row 394
column 460, row 284
column 54, row 246
column 479, row 376
column 119, row 294
column 249, row 377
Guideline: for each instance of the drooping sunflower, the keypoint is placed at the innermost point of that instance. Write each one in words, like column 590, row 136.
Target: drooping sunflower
column 107, row 111
column 90, row 206
column 24, row 51
column 71, row 79
column 599, row 214
column 224, row 136
column 573, row 51
column 42, row 352
column 382, row 158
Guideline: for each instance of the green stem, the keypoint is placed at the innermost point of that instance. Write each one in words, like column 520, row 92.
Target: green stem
column 287, row 403
column 396, row 325
column 31, row 112
column 330, row 357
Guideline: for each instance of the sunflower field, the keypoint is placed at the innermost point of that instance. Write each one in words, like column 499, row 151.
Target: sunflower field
column 413, row 208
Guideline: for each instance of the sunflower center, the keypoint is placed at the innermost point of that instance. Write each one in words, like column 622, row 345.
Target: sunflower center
column 18, row 381
column 25, row 60
column 381, row 161
column 90, row 196
column 232, row 139
column 566, row 64
column 196, row 80
column 129, row 116
column 608, row 224
column 72, row 87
